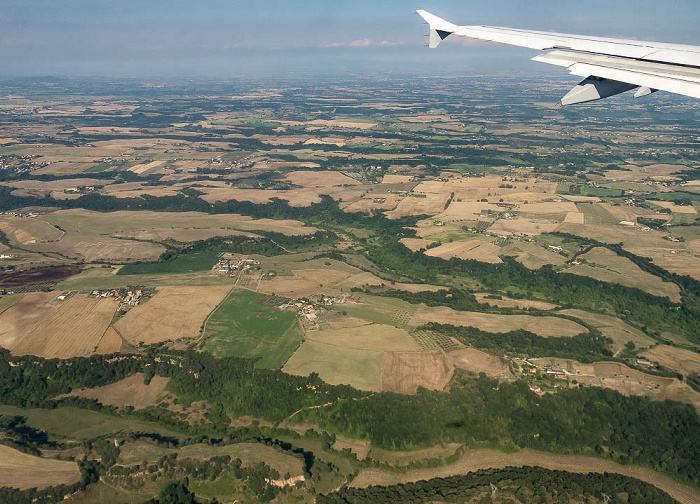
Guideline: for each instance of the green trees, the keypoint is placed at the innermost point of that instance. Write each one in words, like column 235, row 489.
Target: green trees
column 527, row 484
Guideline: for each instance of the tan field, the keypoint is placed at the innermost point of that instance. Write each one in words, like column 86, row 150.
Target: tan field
column 514, row 303
column 320, row 179
column 467, row 210
column 526, row 226
column 373, row 201
column 604, row 264
column 476, row 361
column 416, row 244
column 479, row 250
column 629, row 381
column 130, row 391
column 303, row 282
column 39, row 325
column 684, row 209
column 296, row 197
column 474, row 460
column 396, row 179
column 677, row 359
column 22, row 315
column 173, row 313
column 27, row 230
column 544, row 326
column 110, row 343
column 549, row 208
column 131, row 223
column 430, row 205
column 101, row 248
column 376, row 337
column 404, row 372
column 23, row 471
column 142, row 168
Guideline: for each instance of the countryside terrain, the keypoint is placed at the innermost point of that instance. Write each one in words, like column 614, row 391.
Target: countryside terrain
column 376, row 291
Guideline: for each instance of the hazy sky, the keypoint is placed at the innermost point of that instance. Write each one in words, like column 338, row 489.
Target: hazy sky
column 304, row 37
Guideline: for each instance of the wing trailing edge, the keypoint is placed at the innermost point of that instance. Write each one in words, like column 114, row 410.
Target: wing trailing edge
column 609, row 66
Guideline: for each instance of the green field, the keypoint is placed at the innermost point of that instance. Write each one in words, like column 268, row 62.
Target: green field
column 338, row 365
column 98, row 168
column 187, row 263
column 75, row 423
column 242, row 327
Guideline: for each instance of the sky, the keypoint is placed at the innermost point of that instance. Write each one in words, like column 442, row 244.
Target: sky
column 263, row 38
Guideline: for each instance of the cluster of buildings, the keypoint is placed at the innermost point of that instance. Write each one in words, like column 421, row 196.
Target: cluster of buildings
column 127, row 298
column 229, row 264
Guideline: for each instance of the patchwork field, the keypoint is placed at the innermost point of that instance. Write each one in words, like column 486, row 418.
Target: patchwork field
column 604, row 264
column 404, row 372
column 360, row 368
column 40, row 325
column 21, row 470
column 474, row 460
column 173, row 313
column 131, row 391
column 243, row 326
column 544, row 326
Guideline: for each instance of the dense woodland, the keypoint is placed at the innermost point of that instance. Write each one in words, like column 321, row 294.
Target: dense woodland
column 634, row 430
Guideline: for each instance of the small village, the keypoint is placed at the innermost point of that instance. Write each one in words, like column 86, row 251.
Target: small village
column 233, row 264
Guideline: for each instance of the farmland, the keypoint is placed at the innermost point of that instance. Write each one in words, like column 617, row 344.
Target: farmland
column 243, row 326
column 173, row 313
column 41, row 325
column 399, row 270
column 21, row 470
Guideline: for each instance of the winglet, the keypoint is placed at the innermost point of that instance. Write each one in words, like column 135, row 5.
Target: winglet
column 439, row 28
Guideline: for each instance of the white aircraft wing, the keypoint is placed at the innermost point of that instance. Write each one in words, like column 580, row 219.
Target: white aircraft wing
column 610, row 66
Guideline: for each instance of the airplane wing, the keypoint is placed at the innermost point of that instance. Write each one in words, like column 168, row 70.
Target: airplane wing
column 610, row 66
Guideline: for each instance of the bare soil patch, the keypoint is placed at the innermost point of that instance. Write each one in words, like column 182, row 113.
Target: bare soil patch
column 404, row 372
column 130, row 391
column 173, row 313
column 36, row 277
column 23, row 471
column 476, row 361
